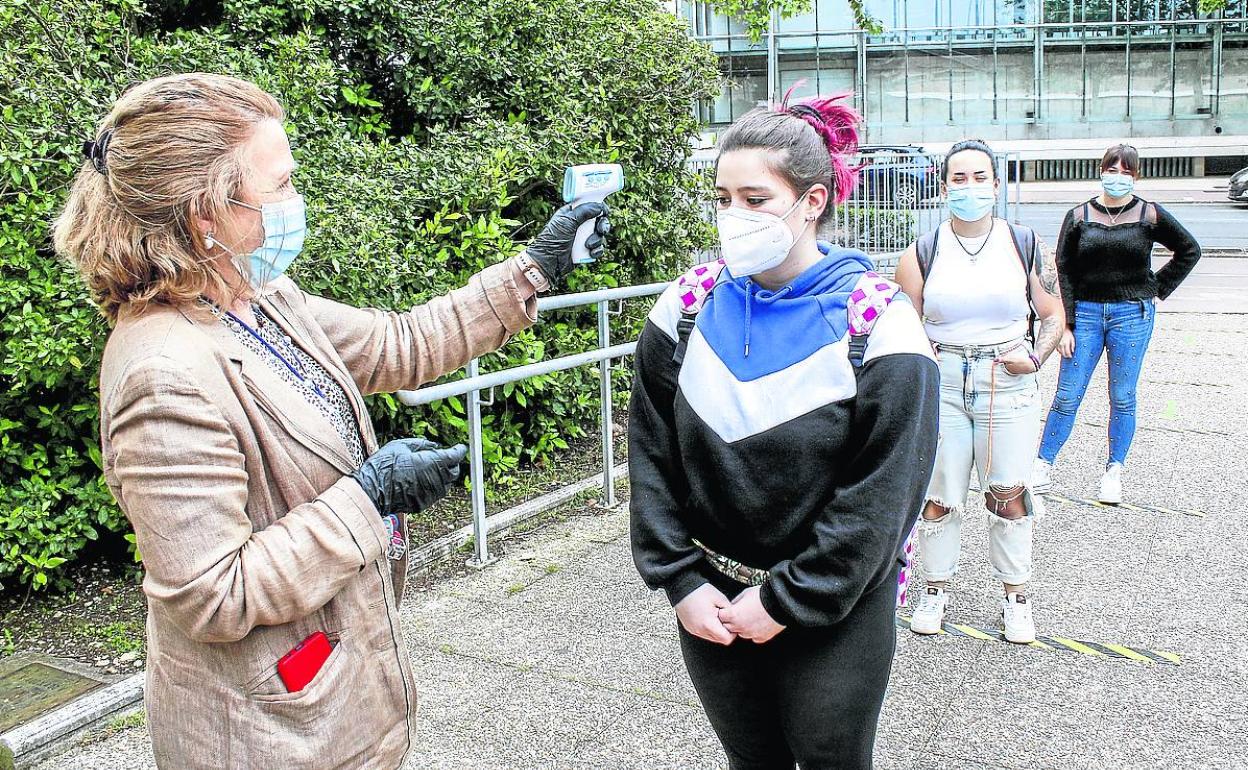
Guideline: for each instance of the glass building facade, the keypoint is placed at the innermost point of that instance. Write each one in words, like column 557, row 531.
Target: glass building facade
column 942, row 70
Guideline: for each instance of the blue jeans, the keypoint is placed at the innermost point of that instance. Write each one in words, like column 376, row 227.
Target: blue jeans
column 1124, row 330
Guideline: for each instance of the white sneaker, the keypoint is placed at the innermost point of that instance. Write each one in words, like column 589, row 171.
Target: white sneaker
column 1111, row 484
column 1041, row 476
column 1016, row 613
column 931, row 611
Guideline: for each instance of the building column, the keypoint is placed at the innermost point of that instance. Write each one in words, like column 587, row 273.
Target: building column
column 1217, row 66
column 1037, row 74
column 773, row 58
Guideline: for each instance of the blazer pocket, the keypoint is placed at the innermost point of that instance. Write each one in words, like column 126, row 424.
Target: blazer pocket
column 316, row 696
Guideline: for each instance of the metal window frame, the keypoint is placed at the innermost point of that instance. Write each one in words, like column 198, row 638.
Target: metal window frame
column 941, row 38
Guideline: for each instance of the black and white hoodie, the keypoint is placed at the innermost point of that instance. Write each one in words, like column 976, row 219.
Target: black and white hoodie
column 768, row 446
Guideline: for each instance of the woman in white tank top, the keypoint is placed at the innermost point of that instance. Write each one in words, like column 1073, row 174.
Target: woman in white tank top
column 975, row 282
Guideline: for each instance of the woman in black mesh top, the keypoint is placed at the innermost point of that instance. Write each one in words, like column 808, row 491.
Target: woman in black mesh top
column 1104, row 262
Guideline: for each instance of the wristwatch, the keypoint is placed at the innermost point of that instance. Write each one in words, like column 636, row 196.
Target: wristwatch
column 532, row 272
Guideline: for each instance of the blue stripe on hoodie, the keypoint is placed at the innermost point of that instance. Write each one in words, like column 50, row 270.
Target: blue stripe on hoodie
column 756, row 332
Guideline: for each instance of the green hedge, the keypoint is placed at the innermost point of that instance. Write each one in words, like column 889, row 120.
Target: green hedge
column 431, row 136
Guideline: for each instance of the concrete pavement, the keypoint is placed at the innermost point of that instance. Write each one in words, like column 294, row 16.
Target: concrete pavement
column 558, row 657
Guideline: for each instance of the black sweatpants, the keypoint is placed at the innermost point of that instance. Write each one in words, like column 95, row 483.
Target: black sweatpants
column 810, row 695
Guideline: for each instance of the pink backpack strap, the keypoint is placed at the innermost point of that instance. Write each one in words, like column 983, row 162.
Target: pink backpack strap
column 868, row 300
column 867, row 303
column 696, row 284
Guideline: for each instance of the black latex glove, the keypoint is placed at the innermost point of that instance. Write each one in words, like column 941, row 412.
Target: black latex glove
column 552, row 249
column 409, row 475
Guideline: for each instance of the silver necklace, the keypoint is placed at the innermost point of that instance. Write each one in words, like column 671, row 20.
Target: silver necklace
column 974, row 255
column 1113, row 218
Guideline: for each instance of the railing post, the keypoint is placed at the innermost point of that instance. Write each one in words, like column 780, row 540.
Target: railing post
column 476, row 474
column 608, row 439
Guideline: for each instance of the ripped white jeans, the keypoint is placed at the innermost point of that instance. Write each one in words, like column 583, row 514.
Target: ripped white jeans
column 990, row 419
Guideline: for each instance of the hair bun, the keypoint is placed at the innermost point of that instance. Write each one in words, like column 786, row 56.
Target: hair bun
column 837, row 124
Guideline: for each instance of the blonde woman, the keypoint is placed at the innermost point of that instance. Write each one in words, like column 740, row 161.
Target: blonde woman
column 235, row 434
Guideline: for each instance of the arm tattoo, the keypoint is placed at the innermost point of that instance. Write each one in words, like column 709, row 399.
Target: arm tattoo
column 1046, row 341
column 1045, row 267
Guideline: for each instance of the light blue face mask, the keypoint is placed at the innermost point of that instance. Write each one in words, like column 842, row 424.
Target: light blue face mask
column 1117, row 185
column 285, row 224
column 972, row 202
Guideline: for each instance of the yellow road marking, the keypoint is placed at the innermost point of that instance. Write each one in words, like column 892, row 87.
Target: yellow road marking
column 973, row 632
column 1052, row 643
column 1077, row 646
column 1127, row 652
column 1136, row 507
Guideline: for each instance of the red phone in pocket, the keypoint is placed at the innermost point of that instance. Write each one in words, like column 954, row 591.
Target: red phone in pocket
column 299, row 666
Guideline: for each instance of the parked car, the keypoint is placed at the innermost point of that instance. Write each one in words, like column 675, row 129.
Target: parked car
column 896, row 175
column 1239, row 186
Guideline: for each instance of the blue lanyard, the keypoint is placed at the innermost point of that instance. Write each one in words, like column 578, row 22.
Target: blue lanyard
column 275, row 352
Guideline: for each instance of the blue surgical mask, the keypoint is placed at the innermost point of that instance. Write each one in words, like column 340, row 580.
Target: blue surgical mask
column 285, row 224
column 972, row 202
column 1117, row 185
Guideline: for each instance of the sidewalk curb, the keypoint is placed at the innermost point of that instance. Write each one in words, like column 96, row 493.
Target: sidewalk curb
column 32, row 740
column 1211, row 252
column 1060, row 199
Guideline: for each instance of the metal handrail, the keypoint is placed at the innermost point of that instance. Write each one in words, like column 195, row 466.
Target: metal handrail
column 515, row 374
column 474, row 383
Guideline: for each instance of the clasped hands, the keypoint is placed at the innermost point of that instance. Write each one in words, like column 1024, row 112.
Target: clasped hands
column 707, row 614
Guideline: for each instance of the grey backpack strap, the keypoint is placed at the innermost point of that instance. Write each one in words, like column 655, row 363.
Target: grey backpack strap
column 925, row 247
column 1025, row 244
column 1027, row 247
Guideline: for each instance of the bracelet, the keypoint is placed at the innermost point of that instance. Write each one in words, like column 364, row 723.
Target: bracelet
column 532, row 271
column 1034, row 360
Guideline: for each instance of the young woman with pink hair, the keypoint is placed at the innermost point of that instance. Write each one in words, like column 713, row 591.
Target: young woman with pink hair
column 779, row 455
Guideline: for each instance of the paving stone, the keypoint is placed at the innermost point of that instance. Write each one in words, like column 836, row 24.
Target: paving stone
column 652, row 736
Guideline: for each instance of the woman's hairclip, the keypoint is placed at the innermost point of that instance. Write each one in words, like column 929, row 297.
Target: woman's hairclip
column 806, row 111
column 97, row 149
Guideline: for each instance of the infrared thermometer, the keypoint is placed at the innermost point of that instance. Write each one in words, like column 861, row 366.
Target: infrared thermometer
column 582, row 184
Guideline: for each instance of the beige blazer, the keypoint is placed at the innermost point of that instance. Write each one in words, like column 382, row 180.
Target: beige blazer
column 253, row 537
